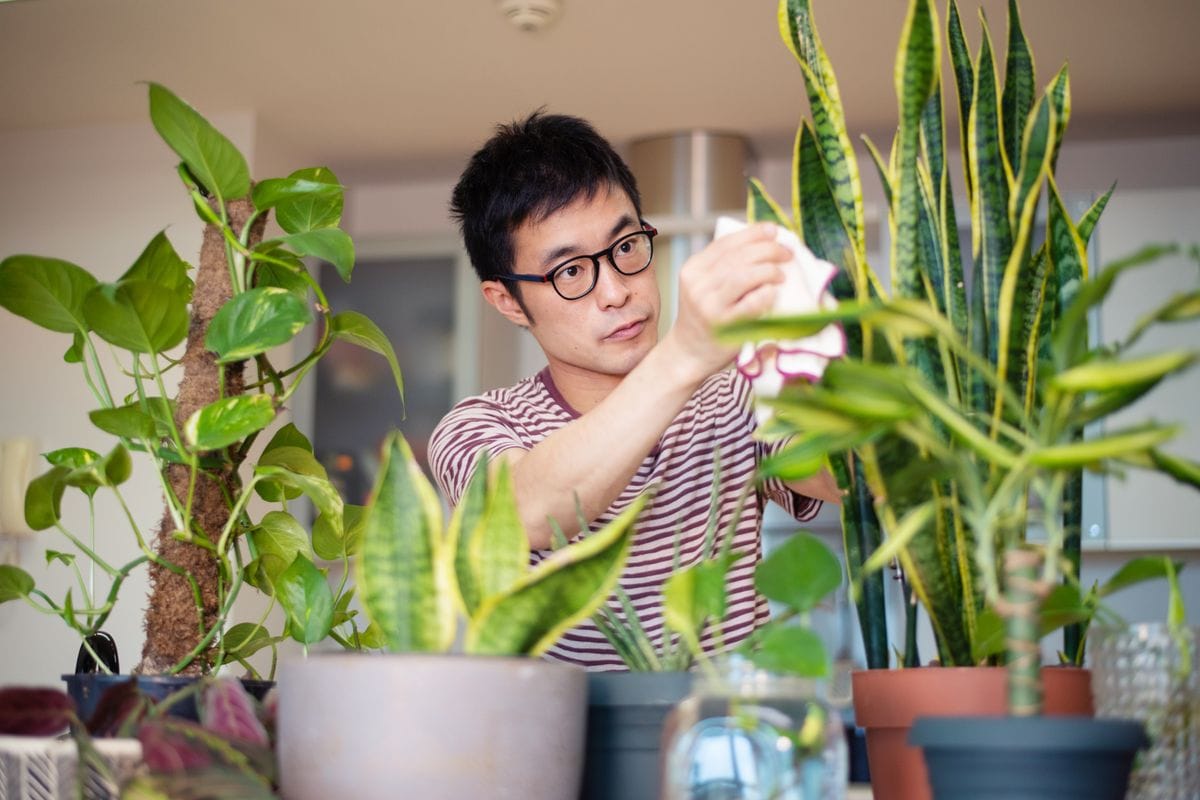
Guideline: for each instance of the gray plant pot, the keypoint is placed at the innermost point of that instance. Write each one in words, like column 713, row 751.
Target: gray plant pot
column 379, row 727
column 626, row 715
column 1032, row 758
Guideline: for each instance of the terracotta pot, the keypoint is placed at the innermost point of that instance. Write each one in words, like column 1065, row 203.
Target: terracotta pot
column 886, row 701
column 378, row 727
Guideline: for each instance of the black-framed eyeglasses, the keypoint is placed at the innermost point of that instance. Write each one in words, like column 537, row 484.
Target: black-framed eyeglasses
column 577, row 276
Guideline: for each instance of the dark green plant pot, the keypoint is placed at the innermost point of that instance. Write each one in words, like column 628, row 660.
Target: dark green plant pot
column 1028, row 758
column 87, row 689
column 626, row 713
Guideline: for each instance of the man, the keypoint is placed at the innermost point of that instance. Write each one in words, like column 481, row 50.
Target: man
column 552, row 221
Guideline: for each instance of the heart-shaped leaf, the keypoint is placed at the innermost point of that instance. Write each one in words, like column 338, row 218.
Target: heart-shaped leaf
column 311, row 211
column 356, row 328
column 15, row 583
column 43, row 499
column 792, row 650
column 46, row 291
column 278, row 539
column 294, row 190
column 160, row 264
column 328, row 244
column 307, row 599
column 799, row 573
column 229, row 420
column 210, row 157
column 287, row 436
column 297, row 468
column 138, row 316
column 246, row 638
column 255, row 321
column 129, row 422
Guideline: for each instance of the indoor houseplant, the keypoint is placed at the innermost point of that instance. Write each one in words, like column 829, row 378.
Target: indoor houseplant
column 980, row 372
column 250, row 295
column 425, row 722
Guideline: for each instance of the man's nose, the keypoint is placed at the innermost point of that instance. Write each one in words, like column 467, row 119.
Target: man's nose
column 612, row 287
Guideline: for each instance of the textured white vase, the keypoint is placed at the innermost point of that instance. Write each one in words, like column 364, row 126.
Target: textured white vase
column 431, row 726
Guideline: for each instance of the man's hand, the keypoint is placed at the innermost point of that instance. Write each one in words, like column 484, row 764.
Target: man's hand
column 735, row 277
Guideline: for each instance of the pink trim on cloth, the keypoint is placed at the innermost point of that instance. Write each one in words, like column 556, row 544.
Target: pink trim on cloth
column 770, row 363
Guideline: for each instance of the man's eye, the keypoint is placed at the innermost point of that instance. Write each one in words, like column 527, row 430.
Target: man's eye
column 625, row 248
column 569, row 271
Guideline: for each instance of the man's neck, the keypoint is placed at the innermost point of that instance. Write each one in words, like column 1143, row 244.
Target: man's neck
column 582, row 389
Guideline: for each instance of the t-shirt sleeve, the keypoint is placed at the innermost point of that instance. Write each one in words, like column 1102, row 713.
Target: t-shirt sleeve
column 475, row 425
column 801, row 507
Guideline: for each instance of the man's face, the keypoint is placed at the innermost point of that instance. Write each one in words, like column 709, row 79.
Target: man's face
column 606, row 332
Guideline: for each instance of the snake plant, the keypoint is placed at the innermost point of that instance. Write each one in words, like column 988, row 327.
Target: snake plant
column 966, row 389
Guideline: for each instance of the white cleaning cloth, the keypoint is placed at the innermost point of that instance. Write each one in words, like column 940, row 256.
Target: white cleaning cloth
column 771, row 363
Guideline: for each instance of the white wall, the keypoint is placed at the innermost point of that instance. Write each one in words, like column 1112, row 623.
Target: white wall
column 94, row 196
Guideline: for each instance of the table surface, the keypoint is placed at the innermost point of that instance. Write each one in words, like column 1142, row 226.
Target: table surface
column 859, row 791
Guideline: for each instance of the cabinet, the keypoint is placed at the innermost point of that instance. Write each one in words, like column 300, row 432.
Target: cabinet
column 1146, row 510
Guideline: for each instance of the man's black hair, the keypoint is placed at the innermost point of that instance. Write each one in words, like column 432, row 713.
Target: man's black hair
column 527, row 171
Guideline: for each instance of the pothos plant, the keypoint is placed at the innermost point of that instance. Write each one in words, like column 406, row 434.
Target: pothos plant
column 949, row 413
column 218, row 329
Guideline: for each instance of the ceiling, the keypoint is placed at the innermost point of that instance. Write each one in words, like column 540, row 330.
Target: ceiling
column 404, row 87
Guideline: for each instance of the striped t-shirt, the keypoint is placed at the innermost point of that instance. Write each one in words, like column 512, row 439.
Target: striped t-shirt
column 718, row 420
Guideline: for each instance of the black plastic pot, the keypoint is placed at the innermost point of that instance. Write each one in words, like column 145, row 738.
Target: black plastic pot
column 626, row 713
column 1031, row 758
column 86, row 690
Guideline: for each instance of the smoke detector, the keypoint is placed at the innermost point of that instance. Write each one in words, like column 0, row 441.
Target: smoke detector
column 530, row 15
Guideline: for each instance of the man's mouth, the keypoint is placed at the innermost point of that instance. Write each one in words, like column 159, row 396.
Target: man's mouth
column 626, row 331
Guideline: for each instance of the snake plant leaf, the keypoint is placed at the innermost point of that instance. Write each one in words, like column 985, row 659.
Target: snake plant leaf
column 799, row 33
column 129, row 422
column 403, row 573
column 467, row 523
column 497, row 547
column 278, row 538
column 315, row 209
column 1183, row 470
column 1088, row 222
column 1091, row 452
column 1019, row 88
column 791, row 650
column 837, row 151
column 990, row 229
column 881, row 167
column 557, row 594
column 821, row 225
column 271, row 192
column 358, row 329
column 861, row 535
column 287, row 436
column 210, row 157
column 1098, row 375
column 46, row 291
column 333, row 544
column 1068, row 255
column 761, row 208
column 228, row 420
column 799, row 573
column 160, row 264
column 297, row 468
column 917, row 64
column 306, row 598
column 1022, row 287
column 253, row 322
column 913, row 523
column 964, row 81
column 139, row 316
column 989, row 636
column 328, row 244
column 43, row 498
column 1059, row 92
column 15, row 583
column 933, row 137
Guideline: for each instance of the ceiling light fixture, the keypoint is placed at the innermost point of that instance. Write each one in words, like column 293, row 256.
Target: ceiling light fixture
column 530, row 15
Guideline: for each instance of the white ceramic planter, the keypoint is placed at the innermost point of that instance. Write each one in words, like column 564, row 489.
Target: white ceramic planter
column 372, row 727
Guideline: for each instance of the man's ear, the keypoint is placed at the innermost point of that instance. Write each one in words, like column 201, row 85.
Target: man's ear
column 500, row 298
